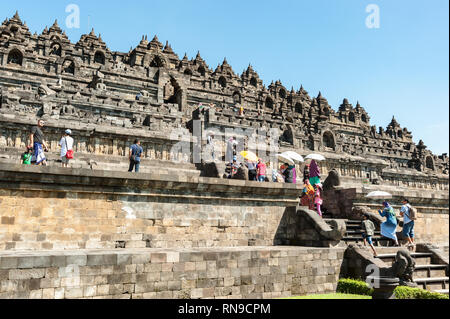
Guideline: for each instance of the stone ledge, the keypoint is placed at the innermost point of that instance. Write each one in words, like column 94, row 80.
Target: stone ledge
column 110, row 257
column 20, row 177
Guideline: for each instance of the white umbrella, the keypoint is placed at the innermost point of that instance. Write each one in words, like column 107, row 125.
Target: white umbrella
column 285, row 159
column 379, row 194
column 316, row 157
column 295, row 156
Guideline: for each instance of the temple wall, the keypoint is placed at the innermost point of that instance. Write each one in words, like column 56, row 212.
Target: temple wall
column 51, row 208
column 222, row 273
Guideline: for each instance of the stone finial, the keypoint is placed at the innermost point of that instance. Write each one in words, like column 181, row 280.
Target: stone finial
column 55, row 24
column 345, row 101
column 185, row 58
column 16, row 17
column 320, row 95
column 92, row 32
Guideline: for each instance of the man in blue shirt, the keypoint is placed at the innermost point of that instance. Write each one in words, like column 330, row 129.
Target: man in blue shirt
column 135, row 156
column 408, row 223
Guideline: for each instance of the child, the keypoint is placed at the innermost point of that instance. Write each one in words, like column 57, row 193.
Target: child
column 317, row 198
column 368, row 231
column 26, row 157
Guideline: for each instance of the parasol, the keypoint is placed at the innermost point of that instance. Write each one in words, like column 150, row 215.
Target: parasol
column 316, row 157
column 249, row 156
column 285, row 159
column 379, row 194
column 295, row 156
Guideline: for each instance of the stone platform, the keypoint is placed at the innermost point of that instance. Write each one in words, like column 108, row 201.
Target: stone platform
column 45, row 208
column 236, row 272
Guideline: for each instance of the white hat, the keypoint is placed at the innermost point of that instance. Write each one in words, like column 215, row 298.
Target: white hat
column 69, row 132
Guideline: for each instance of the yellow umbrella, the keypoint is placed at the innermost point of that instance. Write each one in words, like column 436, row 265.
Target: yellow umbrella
column 249, row 156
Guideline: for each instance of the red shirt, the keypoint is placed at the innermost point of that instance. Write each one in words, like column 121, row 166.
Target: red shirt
column 261, row 169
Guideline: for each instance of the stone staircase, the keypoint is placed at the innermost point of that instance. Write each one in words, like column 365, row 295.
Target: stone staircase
column 427, row 275
column 354, row 233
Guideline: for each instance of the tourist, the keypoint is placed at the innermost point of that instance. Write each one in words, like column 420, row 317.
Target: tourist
column 261, row 170
column 231, row 147
column 252, row 172
column 26, row 157
column 66, row 144
column 306, row 172
column 314, row 173
column 317, row 198
column 38, row 144
column 211, row 146
column 308, row 195
column 288, row 173
column 136, row 151
column 407, row 212
column 368, row 231
column 234, row 167
column 388, row 228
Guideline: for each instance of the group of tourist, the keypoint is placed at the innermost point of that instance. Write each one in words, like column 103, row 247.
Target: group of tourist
column 389, row 227
column 35, row 153
column 312, row 188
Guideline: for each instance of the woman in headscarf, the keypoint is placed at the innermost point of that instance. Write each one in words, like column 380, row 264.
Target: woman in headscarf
column 314, row 173
column 306, row 172
column 389, row 227
column 288, row 173
column 307, row 195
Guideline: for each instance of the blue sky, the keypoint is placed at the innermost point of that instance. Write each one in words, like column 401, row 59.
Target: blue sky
column 401, row 68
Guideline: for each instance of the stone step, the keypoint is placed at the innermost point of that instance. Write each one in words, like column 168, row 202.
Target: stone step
column 428, row 271
column 420, row 258
column 359, row 232
column 433, row 283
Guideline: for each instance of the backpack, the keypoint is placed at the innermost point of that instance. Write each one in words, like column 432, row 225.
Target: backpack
column 69, row 153
column 412, row 212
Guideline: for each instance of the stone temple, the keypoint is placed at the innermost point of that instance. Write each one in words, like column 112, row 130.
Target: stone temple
column 176, row 230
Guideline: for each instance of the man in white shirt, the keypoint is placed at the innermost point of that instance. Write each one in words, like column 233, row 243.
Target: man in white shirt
column 66, row 144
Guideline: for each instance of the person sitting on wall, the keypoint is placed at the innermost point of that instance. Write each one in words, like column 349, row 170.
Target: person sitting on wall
column 369, row 230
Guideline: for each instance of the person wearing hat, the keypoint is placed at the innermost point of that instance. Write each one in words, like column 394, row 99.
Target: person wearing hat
column 66, row 144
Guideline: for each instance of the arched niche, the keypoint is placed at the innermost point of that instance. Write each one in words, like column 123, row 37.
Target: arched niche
column 68, row 67
column 282, row 93
column 15, row 57
column 298, row 108
column 364, row 118
column 429, row 162
column 236, row 98
column 351, row 117
column 99, row 58
column 223, row 82
column 188, row 72
column 55, row 49
column 157, row 62
column 202, row 71
column 328, row 140
column 269, row 103
column 173, row 94
column 253, row 82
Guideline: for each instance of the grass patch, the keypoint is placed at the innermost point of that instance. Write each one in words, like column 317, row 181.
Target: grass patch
column 332, row 296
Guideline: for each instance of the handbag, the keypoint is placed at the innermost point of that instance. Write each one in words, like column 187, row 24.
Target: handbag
column 69, row 154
